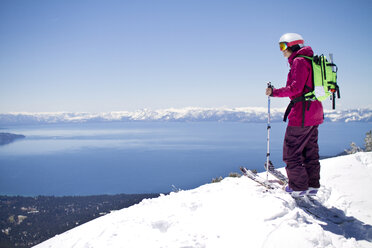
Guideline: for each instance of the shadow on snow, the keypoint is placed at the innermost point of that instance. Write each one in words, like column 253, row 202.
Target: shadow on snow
column 334, row 220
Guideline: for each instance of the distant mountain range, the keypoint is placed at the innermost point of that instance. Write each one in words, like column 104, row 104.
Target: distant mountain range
column 191, row 114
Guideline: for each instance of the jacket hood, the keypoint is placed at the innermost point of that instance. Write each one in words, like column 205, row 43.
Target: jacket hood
column 306, row 51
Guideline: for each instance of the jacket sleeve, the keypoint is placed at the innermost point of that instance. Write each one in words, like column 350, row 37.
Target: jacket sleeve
column 296, row 80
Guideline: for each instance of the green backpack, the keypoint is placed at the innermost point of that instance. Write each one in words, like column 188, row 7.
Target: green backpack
column 324, row 85
column 324, row 80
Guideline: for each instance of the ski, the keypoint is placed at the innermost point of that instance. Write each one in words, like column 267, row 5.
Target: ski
column 276, row 173
column 253, row 176
column 307, row 203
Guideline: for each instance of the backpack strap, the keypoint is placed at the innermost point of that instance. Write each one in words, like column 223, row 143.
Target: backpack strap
column 302, row 99
column 303, row 56
column 292, row 103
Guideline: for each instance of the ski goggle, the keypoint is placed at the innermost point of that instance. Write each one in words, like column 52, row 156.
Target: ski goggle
column 283, row 46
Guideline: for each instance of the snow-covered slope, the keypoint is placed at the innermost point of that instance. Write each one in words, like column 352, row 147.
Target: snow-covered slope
column 248, row 114
column 238, row 213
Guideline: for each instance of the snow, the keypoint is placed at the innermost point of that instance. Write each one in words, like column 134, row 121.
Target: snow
column 237, row 212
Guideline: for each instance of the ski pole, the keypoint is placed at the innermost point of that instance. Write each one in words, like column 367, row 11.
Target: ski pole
column 268, row 134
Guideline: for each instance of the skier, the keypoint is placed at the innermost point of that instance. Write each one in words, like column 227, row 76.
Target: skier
column 300, row 149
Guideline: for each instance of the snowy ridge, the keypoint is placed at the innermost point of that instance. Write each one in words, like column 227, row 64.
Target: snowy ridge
column 364, row 114
column 238, row 213
column 247, row 114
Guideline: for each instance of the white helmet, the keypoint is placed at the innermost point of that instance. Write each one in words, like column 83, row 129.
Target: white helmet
column 292, row 39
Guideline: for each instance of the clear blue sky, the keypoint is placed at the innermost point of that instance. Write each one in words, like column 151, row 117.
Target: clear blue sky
column 108, row 55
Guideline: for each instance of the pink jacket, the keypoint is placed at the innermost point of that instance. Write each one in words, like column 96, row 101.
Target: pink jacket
column 299, row 76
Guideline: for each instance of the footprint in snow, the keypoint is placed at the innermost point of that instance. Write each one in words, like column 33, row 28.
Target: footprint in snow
column 161, row 225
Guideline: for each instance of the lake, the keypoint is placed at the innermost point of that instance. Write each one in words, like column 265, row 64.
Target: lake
column 145, row 157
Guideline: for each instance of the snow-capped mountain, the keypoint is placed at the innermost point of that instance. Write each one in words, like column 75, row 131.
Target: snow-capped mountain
column 247, row 114
column 239, row 213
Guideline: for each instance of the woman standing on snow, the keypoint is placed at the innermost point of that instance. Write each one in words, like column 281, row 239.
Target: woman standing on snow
column 300, row 149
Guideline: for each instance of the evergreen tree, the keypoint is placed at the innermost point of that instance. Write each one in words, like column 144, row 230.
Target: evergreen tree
column 368, row 141
column 353, row 149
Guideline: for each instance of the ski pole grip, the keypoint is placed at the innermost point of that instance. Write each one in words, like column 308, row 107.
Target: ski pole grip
column 271, row 87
